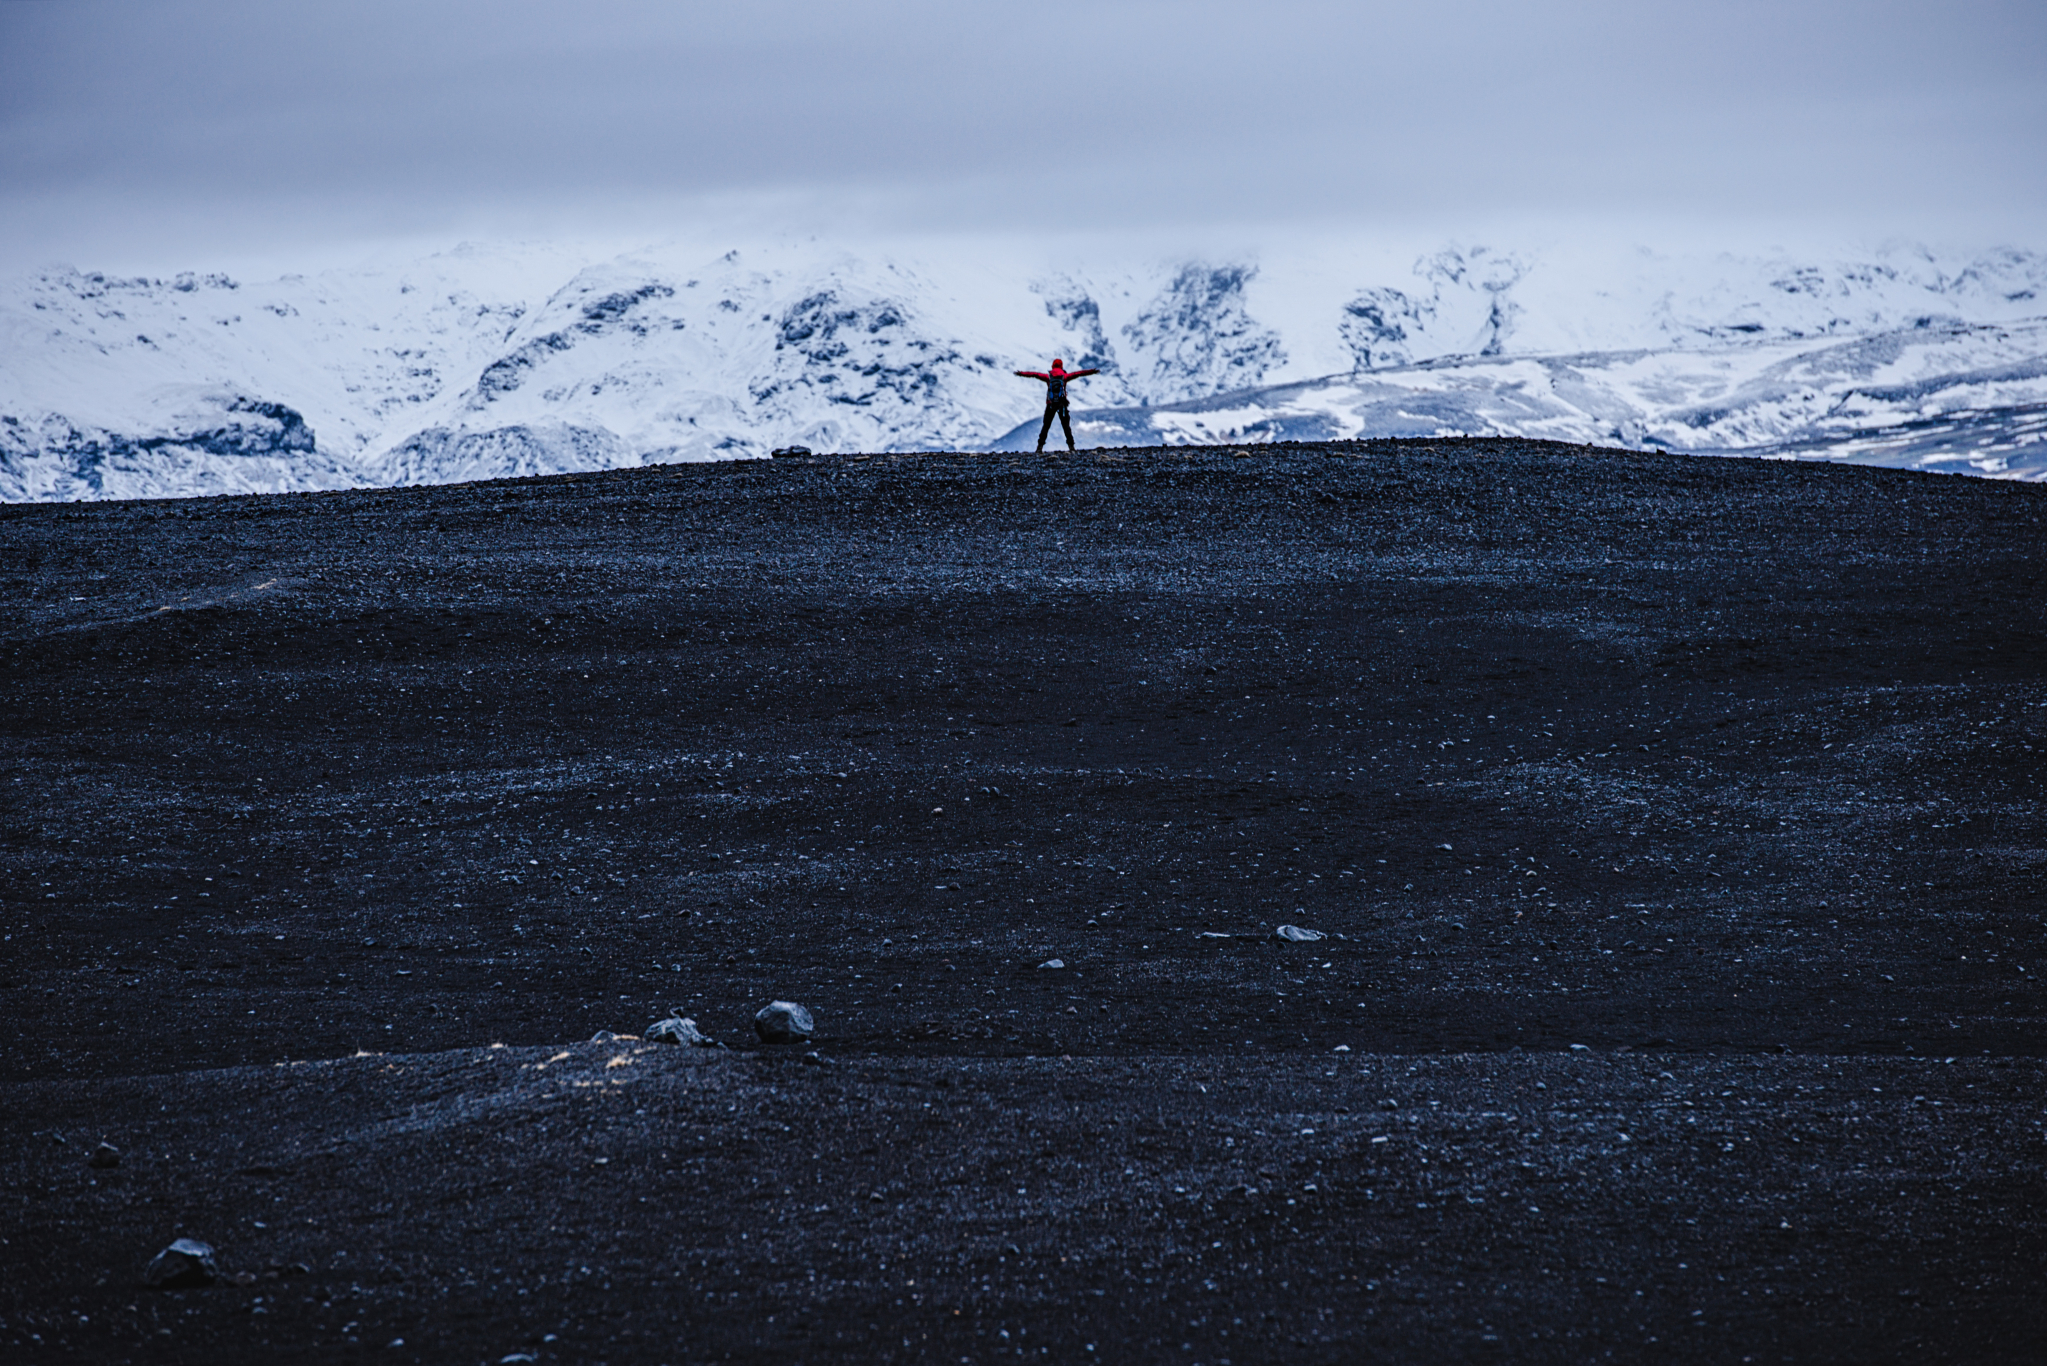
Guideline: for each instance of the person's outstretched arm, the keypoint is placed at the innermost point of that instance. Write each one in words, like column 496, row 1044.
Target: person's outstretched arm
column 1076, row 374
column 1035, row 374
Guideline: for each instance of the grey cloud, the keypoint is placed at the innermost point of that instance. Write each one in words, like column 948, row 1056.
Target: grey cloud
column 414, row 113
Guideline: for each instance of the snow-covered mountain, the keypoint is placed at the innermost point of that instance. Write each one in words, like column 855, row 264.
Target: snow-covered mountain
column 489, row 361
column 1968, row 398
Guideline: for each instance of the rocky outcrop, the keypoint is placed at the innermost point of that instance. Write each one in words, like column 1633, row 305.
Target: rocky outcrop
column 199, row 443
column 1463, row 305
column 1196, row 338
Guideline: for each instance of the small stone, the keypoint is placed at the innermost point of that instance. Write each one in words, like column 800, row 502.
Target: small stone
column 1294, row 934
column 186, row 1262
column 783, row 1022
column 606, row 1036
column 1053, row 963
column 104, row 1156
column 784, row 452
column 679, row 1029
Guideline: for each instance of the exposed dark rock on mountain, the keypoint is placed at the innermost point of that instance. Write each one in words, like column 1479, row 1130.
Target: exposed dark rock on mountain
column 1200, row 338
column 212, row 442
column 1468, row 303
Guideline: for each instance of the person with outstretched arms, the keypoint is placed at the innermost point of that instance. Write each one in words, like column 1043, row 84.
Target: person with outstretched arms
column 1055, row 398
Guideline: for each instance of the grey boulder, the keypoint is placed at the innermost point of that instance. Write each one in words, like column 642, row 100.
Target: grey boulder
column 784, row 1022
column 186, row 1262
column 1294, row 934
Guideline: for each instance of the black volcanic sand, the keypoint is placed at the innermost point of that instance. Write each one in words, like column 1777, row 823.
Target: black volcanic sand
column 1676, row 826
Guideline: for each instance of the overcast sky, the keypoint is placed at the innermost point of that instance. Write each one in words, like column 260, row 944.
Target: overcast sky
column 159, row 133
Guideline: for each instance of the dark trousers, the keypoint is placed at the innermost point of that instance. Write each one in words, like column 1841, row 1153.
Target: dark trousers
column 1056, row 405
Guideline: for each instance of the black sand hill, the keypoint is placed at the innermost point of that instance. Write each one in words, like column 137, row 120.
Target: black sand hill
column 1676, row 826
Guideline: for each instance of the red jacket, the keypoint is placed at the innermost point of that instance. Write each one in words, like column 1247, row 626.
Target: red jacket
column 1055, row 380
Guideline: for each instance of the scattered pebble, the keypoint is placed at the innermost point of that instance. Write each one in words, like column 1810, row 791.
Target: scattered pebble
column 1053, row 963
column 186, row 1262
column 1297, row 935
column 679, row 1029
column 104, row 1156
column 783, row 1022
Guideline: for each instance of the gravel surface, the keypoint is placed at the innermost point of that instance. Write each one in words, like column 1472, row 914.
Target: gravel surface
column 1674, row 826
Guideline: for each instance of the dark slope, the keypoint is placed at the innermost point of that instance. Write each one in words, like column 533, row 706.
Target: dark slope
column 642, row 1204
column 1729, row 757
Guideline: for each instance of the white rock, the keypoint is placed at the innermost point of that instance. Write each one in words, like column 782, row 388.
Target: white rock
column 679, row 1029
column 783, row 1022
